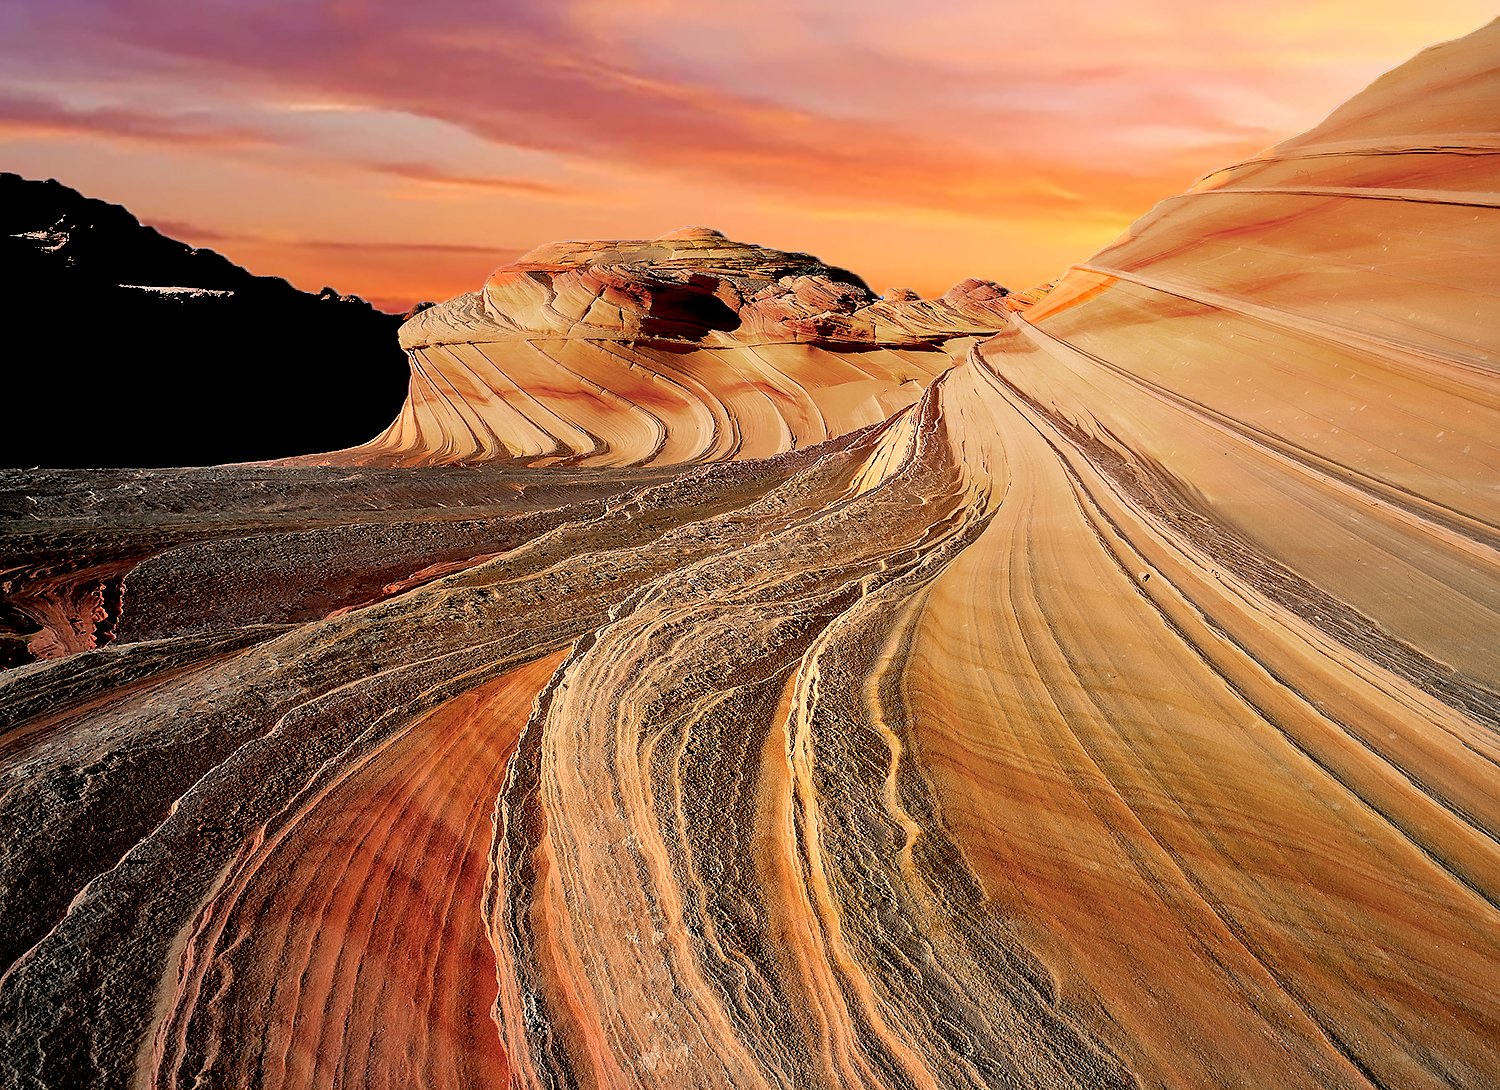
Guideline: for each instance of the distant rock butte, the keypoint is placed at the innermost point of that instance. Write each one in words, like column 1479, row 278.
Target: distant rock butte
column 685, row 348
column 1122, row 713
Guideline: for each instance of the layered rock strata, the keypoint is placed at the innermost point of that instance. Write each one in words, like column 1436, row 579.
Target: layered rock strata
column 686, row 348
column 1122, row 712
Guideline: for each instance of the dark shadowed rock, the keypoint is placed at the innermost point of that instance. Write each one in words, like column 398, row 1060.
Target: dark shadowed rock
column 126, row 347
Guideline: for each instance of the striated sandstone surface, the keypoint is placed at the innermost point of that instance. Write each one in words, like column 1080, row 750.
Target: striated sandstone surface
column 1121, row 712
column 686, row 348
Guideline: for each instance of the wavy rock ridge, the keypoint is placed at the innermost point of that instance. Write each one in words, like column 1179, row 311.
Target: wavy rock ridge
column 686, row 348
column 1123, row 712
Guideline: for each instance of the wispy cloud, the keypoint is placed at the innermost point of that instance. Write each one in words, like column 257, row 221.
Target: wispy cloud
column 35, row 116
column 200, row 235
column 532, row 76
column 430, row 175
column 988, row 122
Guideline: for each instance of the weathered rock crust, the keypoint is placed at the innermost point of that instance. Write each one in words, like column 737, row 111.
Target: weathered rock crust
column 686, row 348
column 1122, row 712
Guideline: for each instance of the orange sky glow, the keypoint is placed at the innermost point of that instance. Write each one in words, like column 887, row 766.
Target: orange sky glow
column 402, row 151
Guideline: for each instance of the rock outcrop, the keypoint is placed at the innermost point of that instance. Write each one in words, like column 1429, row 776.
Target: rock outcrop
column 127, row 347
column 1122, row 712
column 685, row 348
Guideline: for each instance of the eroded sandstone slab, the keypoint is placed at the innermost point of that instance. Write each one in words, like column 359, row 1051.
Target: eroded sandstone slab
column 1119, row 710
column 686, row 348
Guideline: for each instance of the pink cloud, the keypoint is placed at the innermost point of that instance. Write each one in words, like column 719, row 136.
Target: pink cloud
column 536, row 81
column 960, row 119
column 32, row 116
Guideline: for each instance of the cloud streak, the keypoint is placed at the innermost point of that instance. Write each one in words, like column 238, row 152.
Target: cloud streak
column 200, row 235
column 427, row 174
column 533, row 79
column 36, row 116
column 1061, row 124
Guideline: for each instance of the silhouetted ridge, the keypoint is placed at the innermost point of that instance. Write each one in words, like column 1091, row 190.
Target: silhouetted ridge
column 132, row 348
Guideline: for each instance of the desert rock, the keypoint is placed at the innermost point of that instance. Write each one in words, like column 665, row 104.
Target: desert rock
column 1117, row 708
column 686, row 348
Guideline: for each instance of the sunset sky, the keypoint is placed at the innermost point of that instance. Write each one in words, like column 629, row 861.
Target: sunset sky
column 402, row 150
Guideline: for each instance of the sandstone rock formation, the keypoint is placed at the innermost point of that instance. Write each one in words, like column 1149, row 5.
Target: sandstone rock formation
column 1122, row 712
column 686, row 348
